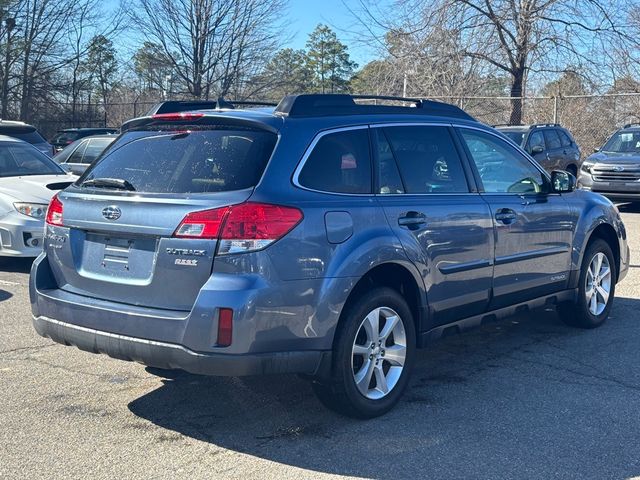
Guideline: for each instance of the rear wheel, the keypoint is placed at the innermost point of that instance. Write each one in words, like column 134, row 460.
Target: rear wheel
column 372, row 358
column 596, row 288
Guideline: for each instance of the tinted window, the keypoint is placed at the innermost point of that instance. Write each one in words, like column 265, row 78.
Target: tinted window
column 76, row 156
column 623, row 142
column 501, row 167
column 95, row 147
column 20, row 160
column 536, row 139
column 389, row 181
column 427, row 159
column 515, row 137
column 340, row 162
column 552, row 139
column 565, row 139
column 27, row 134
column 192, row 160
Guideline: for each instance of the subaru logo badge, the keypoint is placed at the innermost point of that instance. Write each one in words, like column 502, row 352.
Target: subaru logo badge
column 618, row 169
column 111, row 212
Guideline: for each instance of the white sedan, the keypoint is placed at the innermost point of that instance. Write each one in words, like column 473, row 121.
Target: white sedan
column 28, row 180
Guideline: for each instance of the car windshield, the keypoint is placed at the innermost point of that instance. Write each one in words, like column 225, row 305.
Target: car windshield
column 27, row 134
column 213, row 158
column 17, row 160
column 515, row 137
column 623, row 142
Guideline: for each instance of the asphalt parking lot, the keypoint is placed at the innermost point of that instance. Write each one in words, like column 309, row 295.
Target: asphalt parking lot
column 524, row 398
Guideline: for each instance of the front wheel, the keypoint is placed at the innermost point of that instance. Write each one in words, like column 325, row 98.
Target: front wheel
column 596, row 290
column 372, row 357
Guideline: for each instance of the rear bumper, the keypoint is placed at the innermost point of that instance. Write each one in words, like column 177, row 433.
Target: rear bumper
column 172, row 356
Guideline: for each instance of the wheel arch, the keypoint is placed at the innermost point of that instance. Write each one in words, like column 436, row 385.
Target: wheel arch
column 606, row 232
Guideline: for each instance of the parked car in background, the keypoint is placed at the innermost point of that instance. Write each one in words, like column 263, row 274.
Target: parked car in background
column 551, row 145
column 66, row 137
column 614, row 169
column 76, row 157
column 28, row 180
column 25, row 132
column 322, row 237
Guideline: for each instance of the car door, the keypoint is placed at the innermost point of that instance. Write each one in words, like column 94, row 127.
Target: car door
column 432, row 205
column 533, row 227
column 555, row 155
column 570, row 153
column 537, row 148
column 74, row 162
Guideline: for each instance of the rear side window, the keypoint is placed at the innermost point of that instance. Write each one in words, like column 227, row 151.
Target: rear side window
column 427, row 159
column 552, row 139
column 565, row 139
column 195, row 159
column 76, row 156
column 340, row 162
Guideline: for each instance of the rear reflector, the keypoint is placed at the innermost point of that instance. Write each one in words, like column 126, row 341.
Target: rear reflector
column 54, row 212
column 241, row 228
column 225, row 327
column 175, row 117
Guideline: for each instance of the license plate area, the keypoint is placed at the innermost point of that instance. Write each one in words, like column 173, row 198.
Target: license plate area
column 118, row 259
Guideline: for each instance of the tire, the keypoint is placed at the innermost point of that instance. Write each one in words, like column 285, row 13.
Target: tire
column 355, row 355
column 586, row 312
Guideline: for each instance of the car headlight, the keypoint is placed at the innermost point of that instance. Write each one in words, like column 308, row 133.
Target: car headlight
column 586, row 167
column 35, row 210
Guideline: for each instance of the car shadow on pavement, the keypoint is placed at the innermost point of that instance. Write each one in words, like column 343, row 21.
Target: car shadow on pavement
column 15, row 265
column 4, row 295
column 526, row 396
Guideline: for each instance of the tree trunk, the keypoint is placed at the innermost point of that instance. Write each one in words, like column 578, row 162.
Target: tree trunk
column 517, row 83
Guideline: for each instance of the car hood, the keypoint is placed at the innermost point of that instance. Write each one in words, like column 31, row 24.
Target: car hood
column 615, row 159
column 35, row 188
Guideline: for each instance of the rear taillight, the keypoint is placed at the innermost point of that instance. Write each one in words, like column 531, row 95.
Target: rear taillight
column 54, row 212
column 241, row 228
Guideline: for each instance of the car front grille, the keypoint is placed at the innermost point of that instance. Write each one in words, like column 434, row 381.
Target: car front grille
column 609, row 175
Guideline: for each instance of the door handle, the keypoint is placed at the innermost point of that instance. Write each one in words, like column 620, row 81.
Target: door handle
column 412, row 220
column 506, row 216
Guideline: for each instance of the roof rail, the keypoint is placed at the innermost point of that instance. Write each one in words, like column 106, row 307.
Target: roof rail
column 540, row 125
column 224, row 103
column 317, row 105
column 508, row 125
column 632, row 124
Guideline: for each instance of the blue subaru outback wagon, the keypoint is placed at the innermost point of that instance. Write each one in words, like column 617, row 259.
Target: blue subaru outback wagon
column 324, row 237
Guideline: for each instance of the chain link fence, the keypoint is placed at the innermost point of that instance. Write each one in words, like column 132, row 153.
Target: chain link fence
column 590, row 118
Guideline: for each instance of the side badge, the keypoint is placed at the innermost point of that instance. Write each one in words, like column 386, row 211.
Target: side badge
column 189, row 262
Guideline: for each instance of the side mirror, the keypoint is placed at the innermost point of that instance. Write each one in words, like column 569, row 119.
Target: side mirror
column 562, row 182
column 537, row 149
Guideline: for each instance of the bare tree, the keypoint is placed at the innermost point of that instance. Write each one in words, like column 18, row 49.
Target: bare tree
column 211, row 43
column 519, row 37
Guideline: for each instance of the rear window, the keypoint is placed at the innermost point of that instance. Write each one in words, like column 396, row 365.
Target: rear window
column 192, row 160
column 65, row 138
column 21, row 160
column 27, row 134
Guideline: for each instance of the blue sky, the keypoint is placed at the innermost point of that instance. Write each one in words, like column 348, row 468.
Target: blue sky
column 304, row 15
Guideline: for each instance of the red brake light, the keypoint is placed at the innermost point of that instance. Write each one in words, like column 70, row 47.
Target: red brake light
column 54, row 212
column 175, row 117
column 241, row 228
column 203, row 224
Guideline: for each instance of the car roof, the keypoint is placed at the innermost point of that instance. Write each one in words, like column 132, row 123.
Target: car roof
column 324, row 110
column 86, row 129
column 531, row 126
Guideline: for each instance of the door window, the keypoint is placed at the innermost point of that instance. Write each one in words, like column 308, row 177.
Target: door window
column 76, row 156
column 536, row 140
column 501, row 167
column 389, row 180
column 552, row 139
column 94, row 148
column 340, row 162
column 427, row 159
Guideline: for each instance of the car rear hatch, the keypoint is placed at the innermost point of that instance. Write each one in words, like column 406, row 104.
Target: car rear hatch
column 123, row 236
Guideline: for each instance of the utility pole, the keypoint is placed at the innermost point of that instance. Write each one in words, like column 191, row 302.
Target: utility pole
column 10, row 24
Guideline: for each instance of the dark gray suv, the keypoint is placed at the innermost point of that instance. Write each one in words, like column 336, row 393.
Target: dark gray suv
column 614, row 170
column 551, row 145
column 325, row 237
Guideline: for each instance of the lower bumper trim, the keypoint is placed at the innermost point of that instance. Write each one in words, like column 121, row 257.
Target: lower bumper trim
column 171, row 356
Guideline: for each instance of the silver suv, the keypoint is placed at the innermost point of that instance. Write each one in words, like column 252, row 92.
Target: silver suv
column 325, row 237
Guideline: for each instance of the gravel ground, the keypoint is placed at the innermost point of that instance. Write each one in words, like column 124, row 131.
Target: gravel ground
column 524, row 398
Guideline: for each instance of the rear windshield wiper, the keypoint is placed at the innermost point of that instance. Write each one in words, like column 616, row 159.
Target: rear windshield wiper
column 118, row 183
